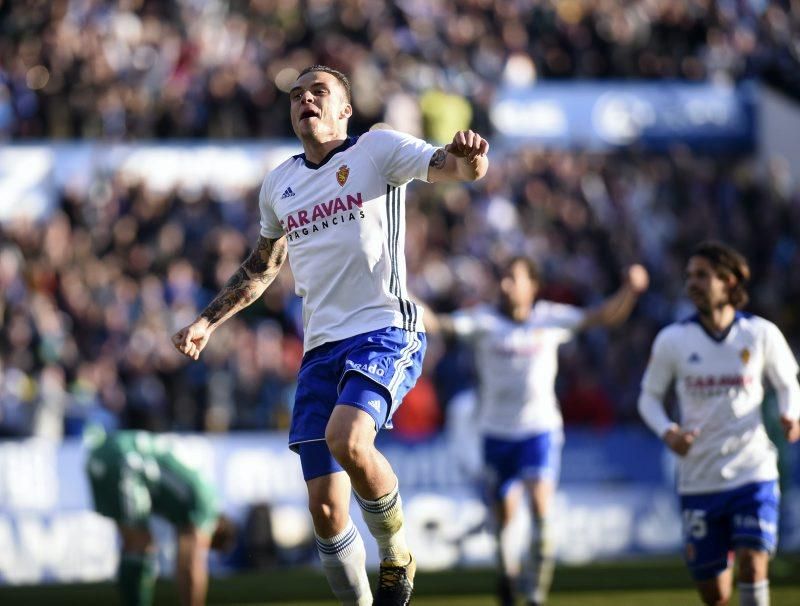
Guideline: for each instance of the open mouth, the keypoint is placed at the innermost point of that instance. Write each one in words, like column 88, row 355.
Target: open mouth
column 308, row 113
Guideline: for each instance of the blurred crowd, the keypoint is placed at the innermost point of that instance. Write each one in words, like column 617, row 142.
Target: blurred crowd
column 189, row 68
column 91, row 297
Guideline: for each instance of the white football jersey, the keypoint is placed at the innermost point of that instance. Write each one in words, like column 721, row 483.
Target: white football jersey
column 344, row 220
column 719, row 387
column 517, row 365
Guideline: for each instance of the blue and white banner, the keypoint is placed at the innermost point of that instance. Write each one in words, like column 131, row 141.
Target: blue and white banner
column 616, row 499
column 651, row 115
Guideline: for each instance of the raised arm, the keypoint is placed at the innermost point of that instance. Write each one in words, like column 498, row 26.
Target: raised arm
column 464, row 159
column 616, row 309
column 245, row 286
column 437, row 324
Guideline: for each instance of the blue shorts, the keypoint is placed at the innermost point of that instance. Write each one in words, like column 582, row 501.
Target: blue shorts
column 716, row 523
column 532, row 458
column 390, row 357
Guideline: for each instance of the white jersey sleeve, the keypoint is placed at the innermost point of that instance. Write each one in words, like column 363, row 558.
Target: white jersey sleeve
column 270, row 224
column 399, row 157
column 566, row 318
column 657, row 378
column 781, row 367
column 469, row 324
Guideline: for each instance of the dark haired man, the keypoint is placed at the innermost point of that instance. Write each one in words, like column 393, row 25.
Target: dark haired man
column 516, row 355
column 338, row 210
column 727, row 471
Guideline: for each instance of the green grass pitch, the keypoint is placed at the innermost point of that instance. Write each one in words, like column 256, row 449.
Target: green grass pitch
column 649, row 582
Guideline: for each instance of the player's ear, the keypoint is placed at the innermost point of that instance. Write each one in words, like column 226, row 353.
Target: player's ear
column 346, row 112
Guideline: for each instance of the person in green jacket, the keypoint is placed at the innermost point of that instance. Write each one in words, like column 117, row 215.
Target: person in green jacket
column 134, row 476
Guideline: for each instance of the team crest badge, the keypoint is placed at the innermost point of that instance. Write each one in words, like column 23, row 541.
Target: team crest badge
column 342, row 174
column 745, row 355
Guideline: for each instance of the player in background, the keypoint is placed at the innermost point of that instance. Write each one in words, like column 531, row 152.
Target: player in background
column 338, row 209
column 133, row 476
column 516, row 357
column 727, row 470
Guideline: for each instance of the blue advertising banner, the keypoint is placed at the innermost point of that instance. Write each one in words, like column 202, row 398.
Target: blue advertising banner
column 651, row 115
column 616, row 499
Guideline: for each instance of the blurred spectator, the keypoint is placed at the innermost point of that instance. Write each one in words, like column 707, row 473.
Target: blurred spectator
column 180, row 68
column 89, row 298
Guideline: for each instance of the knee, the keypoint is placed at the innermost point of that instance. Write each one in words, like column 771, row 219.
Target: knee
column 716, row 597
column 327, row 516
column 347, row 446
column 752, row 566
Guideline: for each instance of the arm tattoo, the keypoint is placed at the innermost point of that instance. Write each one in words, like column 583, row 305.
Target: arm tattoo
column 438, row 159
column 249, row 281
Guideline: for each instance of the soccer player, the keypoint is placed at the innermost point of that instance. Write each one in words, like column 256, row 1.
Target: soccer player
column 727, row 470
column 133, row 476
column 338, row 209
column 516, row 356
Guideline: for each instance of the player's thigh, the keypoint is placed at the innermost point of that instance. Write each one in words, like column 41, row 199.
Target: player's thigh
column 706, row 536
column 754, row 511
column 752, row 564
column 349, row 433
column 540, row 494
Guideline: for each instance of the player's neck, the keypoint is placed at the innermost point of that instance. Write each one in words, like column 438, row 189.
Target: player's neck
column 316, row 150
column 519, row 313
column 718, row 319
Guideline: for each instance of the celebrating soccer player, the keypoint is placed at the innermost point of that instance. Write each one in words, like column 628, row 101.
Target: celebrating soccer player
column 516, row 350
column 338, row 210
column 727, row 471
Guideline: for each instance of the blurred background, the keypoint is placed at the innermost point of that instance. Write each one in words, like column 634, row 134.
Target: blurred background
column 134, row 136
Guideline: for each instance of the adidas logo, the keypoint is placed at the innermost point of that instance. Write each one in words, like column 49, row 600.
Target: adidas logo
column 376, row 404
column 694, row 359
column 288, row 193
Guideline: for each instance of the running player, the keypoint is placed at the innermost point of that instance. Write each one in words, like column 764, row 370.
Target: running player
column 133, row 477
column 516, row 351
column 338, row 208
column 727, row 470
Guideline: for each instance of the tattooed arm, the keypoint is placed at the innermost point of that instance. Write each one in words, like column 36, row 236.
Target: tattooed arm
column 244, row 287
column 464, row 159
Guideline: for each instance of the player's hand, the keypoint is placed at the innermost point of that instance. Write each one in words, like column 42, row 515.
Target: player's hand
column 680, row 441
column 637, row 278
column 191, row 340
column 791, row 428
column 467, row 144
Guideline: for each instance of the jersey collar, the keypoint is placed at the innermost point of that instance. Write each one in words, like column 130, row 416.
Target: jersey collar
column 349, row 142
column 724, row 334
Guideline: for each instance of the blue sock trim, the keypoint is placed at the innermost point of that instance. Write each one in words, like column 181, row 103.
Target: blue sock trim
column 378, row 506
column 340, row 545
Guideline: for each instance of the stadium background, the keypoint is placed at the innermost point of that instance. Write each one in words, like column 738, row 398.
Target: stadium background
column 135, row 136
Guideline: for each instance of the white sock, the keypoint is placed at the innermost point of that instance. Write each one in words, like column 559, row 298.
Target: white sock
column 754, row 594
column 384, row 518
column 344, row 562
column 507, row 551
column 542, row 561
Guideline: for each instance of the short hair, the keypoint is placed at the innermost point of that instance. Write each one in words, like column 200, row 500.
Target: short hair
column 727, row 262
column 343, row 80
column 530, row 266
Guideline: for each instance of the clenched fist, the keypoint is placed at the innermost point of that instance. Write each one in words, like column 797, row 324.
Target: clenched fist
column 191, row 340
column 467, row 144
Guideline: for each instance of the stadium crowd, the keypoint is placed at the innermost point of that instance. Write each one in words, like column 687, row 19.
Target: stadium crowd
column 132, row 69
column 90, row 297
